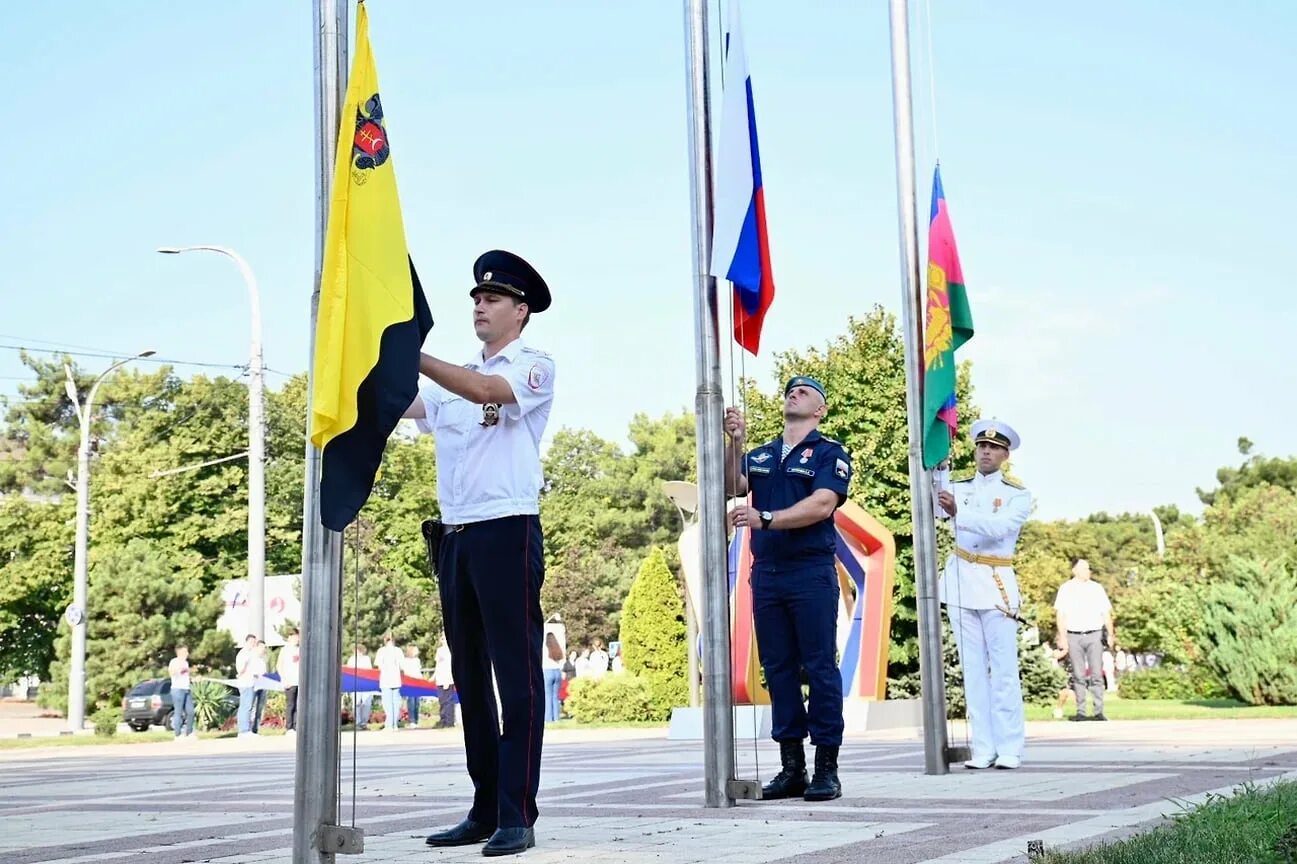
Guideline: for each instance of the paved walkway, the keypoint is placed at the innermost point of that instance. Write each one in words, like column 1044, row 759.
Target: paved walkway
column 628, row 796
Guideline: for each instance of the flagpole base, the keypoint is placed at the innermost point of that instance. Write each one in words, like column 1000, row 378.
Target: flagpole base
column 339, row 840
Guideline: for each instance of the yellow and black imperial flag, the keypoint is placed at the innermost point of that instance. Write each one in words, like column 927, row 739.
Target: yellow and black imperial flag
column 372, row 317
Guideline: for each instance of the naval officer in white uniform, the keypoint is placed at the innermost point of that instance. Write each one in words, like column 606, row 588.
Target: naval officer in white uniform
column 981, row 595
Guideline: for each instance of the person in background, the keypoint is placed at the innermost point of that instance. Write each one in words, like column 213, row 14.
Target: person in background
column 289, row 667
column 598, row 660
column 260, row 666
column 1084, row 618
column 363, row 700
column 182, row 699
column 389, row 660
column 246, row 678
column 551, row 664
column 444, row 678
column 411, row 666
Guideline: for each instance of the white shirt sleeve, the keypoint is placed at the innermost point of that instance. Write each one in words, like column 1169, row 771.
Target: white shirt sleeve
column 531, row 377
column 431, row 396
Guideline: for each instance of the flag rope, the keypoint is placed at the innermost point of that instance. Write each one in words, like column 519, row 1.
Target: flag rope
column 738, row 396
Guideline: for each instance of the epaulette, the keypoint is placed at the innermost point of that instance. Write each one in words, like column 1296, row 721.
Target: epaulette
column 963, row 476
column 1016, row 484
column 527, row 349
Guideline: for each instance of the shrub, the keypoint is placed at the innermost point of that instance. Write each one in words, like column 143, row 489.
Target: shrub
column 1041, row 678
column 106, row 720
column 1206, row 684
column 1163, row 682
column 619, row 698
column 1250, row 630
column 653, row 634
column 214, row 703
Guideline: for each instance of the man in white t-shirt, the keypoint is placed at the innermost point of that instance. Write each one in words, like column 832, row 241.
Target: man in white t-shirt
column 1084, row 612
column 388, row 660
column 245, row 675
column 182, row 701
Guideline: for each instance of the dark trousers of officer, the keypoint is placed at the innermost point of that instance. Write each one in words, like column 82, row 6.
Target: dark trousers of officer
column 489, row 576
column 796, row 617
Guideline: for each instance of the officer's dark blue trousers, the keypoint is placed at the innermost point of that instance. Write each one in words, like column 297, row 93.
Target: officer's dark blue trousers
column 796, row 617
column 489, row 576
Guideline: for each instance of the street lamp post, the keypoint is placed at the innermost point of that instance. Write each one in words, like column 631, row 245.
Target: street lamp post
column 256, row 443
column 76, row 613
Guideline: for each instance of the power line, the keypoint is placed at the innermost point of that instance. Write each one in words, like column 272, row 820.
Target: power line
column 109, row 355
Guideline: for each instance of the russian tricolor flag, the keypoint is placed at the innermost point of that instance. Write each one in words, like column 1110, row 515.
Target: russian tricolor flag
column 740, row 243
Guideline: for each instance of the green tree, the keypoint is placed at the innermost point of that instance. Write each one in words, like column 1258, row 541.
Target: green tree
column 1250, row 629
column 1256, row 470
column 864, row 373
column 38, row 447
column 653, row 633
column 603, row 510
column 143, row 603
column 36, row 550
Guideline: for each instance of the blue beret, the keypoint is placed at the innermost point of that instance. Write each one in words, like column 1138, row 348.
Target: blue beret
column 805, row 381
column 506, row 273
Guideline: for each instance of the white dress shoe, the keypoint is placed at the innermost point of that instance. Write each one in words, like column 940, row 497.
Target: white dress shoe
column 1008, row 762
column 979, row 763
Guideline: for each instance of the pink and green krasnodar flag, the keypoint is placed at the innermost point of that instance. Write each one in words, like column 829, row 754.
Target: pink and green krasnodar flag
column 948, row 325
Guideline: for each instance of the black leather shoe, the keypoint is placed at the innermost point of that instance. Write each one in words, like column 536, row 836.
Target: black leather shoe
column 510, row 841
column 466, row 833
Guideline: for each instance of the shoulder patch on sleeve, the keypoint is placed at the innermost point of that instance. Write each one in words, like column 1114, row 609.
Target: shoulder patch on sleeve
column 537, row 376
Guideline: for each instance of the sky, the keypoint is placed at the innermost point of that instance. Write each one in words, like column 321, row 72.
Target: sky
column 1119, row 185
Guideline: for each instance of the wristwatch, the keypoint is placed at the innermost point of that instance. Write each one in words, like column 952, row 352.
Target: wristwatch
column 766, row 518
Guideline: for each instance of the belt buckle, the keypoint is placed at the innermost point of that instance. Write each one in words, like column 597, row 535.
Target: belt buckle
column 451, row 529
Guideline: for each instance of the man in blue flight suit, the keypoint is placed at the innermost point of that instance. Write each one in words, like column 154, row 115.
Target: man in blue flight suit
column 797, row 481
column 487, row 417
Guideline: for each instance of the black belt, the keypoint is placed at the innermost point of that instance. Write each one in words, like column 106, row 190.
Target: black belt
column 1085, row 632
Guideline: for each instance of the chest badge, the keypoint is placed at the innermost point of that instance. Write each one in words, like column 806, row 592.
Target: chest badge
column 996, row 505
column 806, row 455
column 490, row 414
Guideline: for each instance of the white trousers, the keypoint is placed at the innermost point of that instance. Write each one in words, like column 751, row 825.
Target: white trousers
column 988, row 651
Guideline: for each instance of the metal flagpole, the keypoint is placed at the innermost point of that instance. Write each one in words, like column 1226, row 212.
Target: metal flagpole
column 709, row 403
column 316, row 834
column 935, row 757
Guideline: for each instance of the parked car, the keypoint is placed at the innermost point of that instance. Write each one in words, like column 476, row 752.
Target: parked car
column 147, row 703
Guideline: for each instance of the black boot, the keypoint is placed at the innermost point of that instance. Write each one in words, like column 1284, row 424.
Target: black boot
column 791, row 781
column 824, row 785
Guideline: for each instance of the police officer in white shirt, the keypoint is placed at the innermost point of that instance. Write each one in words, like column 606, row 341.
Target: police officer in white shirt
column 487, row 418
column 981, row 595
column 1084, row 612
